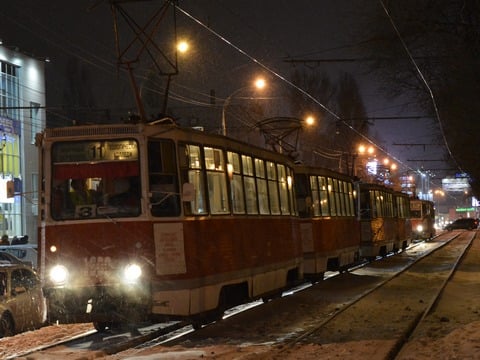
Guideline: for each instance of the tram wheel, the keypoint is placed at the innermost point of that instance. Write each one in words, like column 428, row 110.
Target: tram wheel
column 7, row 325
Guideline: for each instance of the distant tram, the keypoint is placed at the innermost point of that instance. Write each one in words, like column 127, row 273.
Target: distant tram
column 384, row 220
column 157, row 221
column 422, row 214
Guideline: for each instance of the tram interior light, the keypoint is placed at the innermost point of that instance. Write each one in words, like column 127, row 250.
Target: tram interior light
column 230, row 171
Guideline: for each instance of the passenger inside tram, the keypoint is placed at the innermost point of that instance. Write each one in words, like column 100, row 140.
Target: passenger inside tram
column 81, row 194
column 96, row 197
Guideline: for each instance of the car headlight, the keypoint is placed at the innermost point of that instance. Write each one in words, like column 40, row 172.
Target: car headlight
column 59, row 274
column 419, row 228
column 132, row 273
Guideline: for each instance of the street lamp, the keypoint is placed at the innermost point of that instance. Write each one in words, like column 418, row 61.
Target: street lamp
column 183, row 46
column 259, row 83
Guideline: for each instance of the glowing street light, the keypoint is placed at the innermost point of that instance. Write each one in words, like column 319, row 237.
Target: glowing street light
column 362, row 149
column 183, row 46
column 259, row 83
column 309, row 120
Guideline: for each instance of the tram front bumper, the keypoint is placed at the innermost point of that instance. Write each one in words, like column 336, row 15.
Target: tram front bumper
column 97, row 303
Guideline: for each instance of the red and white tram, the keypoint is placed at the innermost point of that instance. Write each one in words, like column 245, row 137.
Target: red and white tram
column 153, row 220
column 328, row 223
column 384, row 220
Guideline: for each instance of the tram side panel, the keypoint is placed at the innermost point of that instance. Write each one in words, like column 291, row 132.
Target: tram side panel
column 250, row 257
column 335, row 245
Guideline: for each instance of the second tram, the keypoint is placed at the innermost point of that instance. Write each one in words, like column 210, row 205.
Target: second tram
column 328, row 223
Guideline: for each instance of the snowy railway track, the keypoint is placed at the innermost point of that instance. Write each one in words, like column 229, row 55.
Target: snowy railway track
column 417, row 289
column 380, row 304
column 377, row 305
column 81, row 343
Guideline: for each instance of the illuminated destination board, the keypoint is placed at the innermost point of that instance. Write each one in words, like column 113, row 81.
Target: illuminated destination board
column 92, row 151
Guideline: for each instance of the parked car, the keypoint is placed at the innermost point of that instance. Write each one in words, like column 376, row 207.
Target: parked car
column 463, row 223
column 26, row 254
column 7, row 256
column 22, row 304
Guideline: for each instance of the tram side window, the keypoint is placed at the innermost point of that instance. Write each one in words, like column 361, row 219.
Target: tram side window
column 316, row 201
column 191, row 167
column 346, row 199
column 249, row 183
column 339, row 199
column 427, row 210
column 284, row 189
column 291, row 192
column 163, row 179
column 403, row 207
column 376, row 204
column 331, row 197
column 273, row 188
column 344, row 194
column 236, row 185
column 351, row 199
column 261, row 186
column 216, row 181
column 407, row 208
column 389, row 205
column 324, row 197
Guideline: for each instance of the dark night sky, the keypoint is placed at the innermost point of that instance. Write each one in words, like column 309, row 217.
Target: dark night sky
column 267, row 30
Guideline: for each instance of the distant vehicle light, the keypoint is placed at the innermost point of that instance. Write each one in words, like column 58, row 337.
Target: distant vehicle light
column 419, row 228
column 132, row 273
column 59, row 274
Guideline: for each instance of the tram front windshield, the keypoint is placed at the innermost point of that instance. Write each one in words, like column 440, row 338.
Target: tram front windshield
column 95, row 179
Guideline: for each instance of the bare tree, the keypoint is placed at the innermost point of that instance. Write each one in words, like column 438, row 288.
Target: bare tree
column 442, row 39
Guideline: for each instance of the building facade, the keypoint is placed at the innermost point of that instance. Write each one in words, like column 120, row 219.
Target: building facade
column 22, row 115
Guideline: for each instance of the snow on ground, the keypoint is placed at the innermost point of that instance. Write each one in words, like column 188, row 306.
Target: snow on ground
column 452, row 331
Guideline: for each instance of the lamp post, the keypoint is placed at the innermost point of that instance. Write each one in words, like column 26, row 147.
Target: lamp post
column 259, row 84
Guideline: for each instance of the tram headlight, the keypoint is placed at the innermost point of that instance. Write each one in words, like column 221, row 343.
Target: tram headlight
column 132, row 273
column 59, row 274
column 419, row 228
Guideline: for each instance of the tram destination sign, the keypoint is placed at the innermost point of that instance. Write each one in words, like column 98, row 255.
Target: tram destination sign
column 90, row 151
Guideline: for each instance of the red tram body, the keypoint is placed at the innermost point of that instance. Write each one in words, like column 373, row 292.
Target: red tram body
column 384, row 219
column 328, row 222
column 154, row 221
column 212, row 223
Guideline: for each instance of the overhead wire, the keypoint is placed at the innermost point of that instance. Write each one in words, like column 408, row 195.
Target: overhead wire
column 177, row 96
column 288, row 82
column 424, row 80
